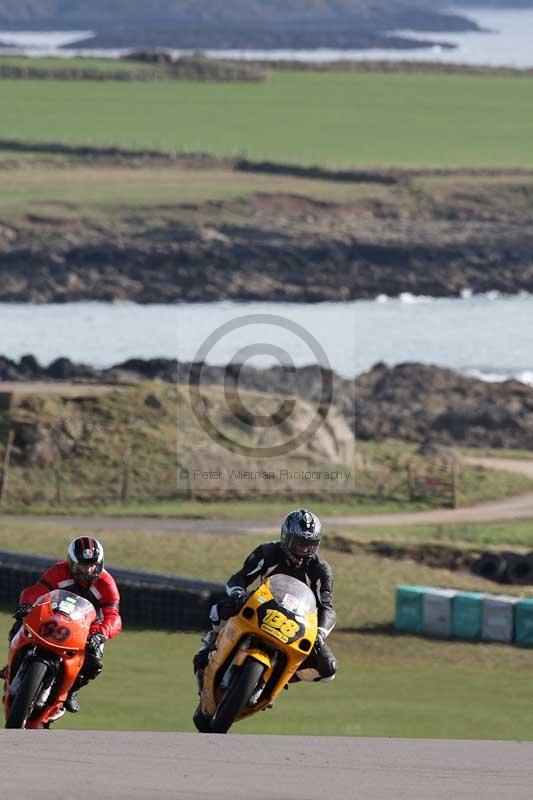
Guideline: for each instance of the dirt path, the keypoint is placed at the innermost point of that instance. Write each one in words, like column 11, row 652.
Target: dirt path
column 521, row 466
column 513, row 508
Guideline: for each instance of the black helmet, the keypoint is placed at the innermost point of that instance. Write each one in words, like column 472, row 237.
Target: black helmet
column 300, row 534
column 85, row 558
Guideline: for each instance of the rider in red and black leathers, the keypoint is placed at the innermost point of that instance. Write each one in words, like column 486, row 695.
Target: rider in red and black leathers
column 83, row 574
column 296, row 554
column 103, row 594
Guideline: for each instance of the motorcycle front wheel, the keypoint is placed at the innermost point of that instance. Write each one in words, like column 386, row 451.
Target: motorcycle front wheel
column 237, row 696
column 24, row 701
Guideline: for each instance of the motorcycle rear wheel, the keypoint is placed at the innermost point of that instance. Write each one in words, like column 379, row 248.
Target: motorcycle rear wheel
column 24, row 700
column 237, row 696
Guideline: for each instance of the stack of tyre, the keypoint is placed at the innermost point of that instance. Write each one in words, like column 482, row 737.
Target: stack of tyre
column 505, row 567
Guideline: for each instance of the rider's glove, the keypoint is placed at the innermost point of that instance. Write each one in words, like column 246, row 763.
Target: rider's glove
column 238, row 599
column 95, row 644
column 22, row 610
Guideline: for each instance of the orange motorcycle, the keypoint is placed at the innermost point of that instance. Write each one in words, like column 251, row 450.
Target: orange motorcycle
column 45, row 658
column 257, row 652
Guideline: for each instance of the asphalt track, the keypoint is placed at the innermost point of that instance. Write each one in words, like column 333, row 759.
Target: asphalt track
column 181, row 766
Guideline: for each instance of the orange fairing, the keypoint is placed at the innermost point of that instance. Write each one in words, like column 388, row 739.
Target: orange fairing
column 60, row 621
column 57, row 626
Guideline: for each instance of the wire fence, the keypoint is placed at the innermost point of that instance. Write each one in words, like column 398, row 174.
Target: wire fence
column 84, row 460
column 148, row 600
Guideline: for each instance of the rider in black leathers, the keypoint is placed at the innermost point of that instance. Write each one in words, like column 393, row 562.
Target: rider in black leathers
column 296, row 554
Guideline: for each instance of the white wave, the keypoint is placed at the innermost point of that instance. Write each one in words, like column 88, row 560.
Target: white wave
column 411, row 299
column 466, row 294
column 523, row 376
column 494, row 294
column 46, row 40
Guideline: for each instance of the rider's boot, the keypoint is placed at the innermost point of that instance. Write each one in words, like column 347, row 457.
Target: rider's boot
column 201, row 658
column 71, row 703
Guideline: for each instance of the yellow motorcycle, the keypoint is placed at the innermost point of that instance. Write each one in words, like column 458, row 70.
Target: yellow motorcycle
column 257, row 652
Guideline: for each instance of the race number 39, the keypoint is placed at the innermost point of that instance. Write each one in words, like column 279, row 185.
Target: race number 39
column 51, row 630
column 279, row 625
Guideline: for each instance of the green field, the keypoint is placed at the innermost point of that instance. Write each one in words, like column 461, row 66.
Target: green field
column 387, row 685
column 334, row 119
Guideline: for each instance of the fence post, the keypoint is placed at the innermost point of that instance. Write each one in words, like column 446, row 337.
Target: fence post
column 454, row 485
column 4, row 477
column 125, row 487
column 410, row 482
column 58, row 485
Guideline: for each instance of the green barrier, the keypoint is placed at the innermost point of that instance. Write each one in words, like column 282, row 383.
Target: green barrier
column 409, row 601
column 467, row 615
column 471, row 616
column 524, row 622
column 498, row 618
column 437, row 612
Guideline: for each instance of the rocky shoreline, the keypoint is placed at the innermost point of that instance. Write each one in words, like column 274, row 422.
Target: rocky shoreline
column 232, row 263
column 409, row 402
column 433, row 232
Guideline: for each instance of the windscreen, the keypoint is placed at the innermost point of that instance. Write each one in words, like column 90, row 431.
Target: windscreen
column 292, row 594
column 71, row 605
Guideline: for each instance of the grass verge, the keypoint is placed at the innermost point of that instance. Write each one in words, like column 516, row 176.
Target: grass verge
column 386, row 686
column 493, row 535
column 521, row 455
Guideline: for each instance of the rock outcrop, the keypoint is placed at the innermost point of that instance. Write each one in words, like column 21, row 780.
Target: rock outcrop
column 410, row 402
column 415, row 402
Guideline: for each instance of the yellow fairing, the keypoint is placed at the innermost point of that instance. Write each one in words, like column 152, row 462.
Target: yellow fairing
column 261, row 627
